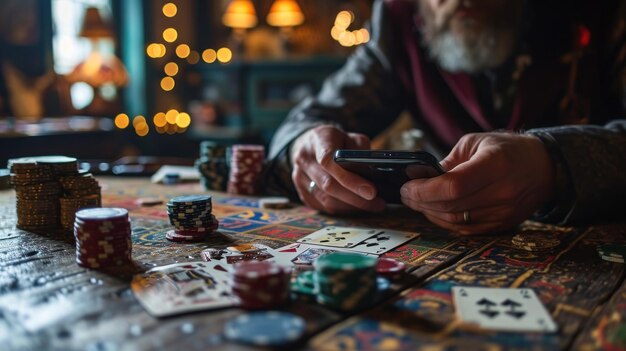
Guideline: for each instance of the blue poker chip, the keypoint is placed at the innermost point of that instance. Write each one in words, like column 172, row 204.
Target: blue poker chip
column 271, row 328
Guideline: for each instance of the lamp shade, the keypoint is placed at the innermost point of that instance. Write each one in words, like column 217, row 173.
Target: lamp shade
column 93, row 26
column 240, row 14
column 285, row 13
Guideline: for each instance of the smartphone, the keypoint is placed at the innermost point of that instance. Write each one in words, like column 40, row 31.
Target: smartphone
column 389, row 169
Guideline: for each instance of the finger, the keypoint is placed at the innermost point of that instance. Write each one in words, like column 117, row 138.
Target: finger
column 492, row 195
column 326, row 183
column 465, row 179
column 461, row 151
column 354, row 183
column 301, row 182
column 358, row 141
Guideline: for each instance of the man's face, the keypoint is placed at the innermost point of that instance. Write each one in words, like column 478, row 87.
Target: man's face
column 470, row 35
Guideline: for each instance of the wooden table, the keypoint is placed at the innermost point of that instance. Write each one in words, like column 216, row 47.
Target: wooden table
column 49, row 302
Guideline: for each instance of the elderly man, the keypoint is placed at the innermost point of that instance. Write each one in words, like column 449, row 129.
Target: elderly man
column 465, row 68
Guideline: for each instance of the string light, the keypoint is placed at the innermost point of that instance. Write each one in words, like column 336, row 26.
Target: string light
column 170, row 35
column 170, row 9
column 183, row 120
column 182, row 51
column 122, row 121
column 156, row 50
column 345, row 37
column 224, row 55
column 171, row 69
column 209, row 55
column 159, row 120
column 171, row 116
column 167, row 83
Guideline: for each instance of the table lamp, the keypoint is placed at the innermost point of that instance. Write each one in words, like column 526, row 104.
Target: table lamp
column 101, row 70
column 285, row 14
column 239, row 15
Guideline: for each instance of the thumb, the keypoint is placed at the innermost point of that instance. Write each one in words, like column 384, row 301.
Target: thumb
column 462, row 151
column 358, row 141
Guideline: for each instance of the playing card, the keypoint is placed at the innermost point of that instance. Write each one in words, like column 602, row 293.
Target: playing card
column 302, row 254
column 183, row 287
column 517, row 310
column 225, row 258
column 338, row 236
column 384, row 240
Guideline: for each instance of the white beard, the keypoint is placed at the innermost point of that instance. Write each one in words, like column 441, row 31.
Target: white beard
column 456, row 54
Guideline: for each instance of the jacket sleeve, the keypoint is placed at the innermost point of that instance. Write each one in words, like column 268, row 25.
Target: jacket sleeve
column 590, row 171
column 364, row 96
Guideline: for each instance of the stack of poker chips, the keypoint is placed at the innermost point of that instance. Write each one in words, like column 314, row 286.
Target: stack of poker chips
column 535, row 241
column 79, row 191
column 191, row 217
column 213, row 166
column 612, row 252
column 103, row 237
column 38, row 191
column 246, row 165
column 260, row 284
column 346, row 281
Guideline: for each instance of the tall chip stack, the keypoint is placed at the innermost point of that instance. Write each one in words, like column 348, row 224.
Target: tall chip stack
column 346, row 281
column 213, row 166
column 103, row 237
column 246, row 165
column 49, row 190
column 38, row 191
column 79, row 191
column 192, row 218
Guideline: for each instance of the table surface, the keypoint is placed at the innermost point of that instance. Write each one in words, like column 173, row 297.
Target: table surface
column 48, row 302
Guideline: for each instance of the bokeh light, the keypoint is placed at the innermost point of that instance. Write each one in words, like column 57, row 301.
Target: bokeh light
column 170, row 35
column 167, row 83
column 171, row 68
column 159, row 120
column 156, row 50
column 182, row 50
column 193, row 57
column 183, row 120
column 122, row 121
column 209, row 55
column 138, row 120
column 170, row 9
column 171, row 116
column 224, row 55
column 344, row 19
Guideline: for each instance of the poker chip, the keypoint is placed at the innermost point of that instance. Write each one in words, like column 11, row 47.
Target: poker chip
column 612, row 252
column 246, row 165
column 271, row 328
column 535, row 241
column 103, row 237
column 346, row 281
column 213, row 166
column 49, row 190
column 390, row 268
column 191, row 217
column 274, row 203
column 260, row 284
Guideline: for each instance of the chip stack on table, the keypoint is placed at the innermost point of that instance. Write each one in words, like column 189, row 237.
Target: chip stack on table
column 246, row 165
column 213, row 166
column 103, row 237
column 535, row 241
column 346, row 281
column 390, row 268
column 612, row 252
column 79, row 191
column 261, row 284
column 192, row 218
column 38, row 191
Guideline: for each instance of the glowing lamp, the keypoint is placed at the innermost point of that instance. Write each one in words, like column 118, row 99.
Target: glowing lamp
column 285, row 13
column 240, row 14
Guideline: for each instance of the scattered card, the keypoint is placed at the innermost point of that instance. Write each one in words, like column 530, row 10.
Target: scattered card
column 384, row 240
column 517, row 310
column 183, row 287
column 338, row 236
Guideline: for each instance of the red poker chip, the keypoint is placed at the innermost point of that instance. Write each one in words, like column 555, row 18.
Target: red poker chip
column 173, row 235
column 389, row 267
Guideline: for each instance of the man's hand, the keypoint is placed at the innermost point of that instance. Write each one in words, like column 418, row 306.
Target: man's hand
column 494, row 182
column 336, row 190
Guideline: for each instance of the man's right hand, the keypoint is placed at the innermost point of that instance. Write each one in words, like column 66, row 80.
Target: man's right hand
column 336, row 190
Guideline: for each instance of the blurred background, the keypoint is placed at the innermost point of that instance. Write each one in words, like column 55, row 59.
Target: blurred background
column 147, row 80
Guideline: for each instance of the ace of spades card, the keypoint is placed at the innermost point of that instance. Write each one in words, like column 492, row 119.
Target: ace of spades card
column 338, row 236
column 515, row 310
